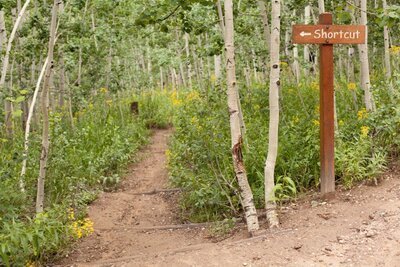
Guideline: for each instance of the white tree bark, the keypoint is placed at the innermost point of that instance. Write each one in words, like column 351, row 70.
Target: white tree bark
column 296, row 66
column 161, row 78
column 28, row 126
column 307, row 19
column 363, row 49
column 388, row 67
column 217, row 67
column 253, row 53
column 274, row 88
column 221, row 18
column 45, row 110
column 236, row 137
column 7, row 104
column 188, row 61
column 9, row 44
column 321, row 6
column 3, row 33
column 264, row 17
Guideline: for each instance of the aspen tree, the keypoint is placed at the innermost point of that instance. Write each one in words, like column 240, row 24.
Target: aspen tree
column 188, row 62
column 218, row 58
column 45, row 110
column 306, row 51
column 7, row 104
column 296, row 66
column 234, row 117
column 6, row 58
column 274, row 87
column 363, row 51
column 388, row 67
column 2, row 31
column 264, row 17
column 321, row 6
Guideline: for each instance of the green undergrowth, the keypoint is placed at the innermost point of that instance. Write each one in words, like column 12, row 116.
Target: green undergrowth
column 199, row 154
column 87, row 154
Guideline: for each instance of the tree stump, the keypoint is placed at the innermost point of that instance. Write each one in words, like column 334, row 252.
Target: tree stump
column 135, row 108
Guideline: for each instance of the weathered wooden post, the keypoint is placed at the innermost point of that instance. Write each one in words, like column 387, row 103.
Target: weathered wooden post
column 326, row 35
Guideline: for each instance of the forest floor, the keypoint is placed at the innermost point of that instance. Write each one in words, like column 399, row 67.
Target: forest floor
column 134, row 226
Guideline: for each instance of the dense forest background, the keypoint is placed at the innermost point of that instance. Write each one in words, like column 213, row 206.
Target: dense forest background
column 70, row 71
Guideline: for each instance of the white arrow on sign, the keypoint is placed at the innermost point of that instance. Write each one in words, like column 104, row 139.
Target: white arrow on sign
column 303, row 33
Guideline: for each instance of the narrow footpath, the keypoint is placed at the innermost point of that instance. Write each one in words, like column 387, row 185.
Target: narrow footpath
column 136, row 226
column 135, row 219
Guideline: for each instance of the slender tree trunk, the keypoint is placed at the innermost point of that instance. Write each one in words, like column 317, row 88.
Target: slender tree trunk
column 321, row 6
column 3, row 33
column 264, row 17
column 79, row 66
column 188, row 61
column 28, row 125
column 221, row 18
column 296, row 66
column 173, row 78
column 7, row 104
column 306, row 54
column 45, row 110
column 217, row 67
column 388, row 67
column 274, row 88
column 71, row 114
column 161, row 78
column 363, row 51
column 94, row 30
column 236, row 137
column 253, row 53
column 350, row 74
column 61, row 100
column 149, row 65
column 6, row 58
column 109, row 66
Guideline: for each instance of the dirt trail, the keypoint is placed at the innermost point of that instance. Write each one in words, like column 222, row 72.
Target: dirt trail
column 360, row 227
column 122, row 219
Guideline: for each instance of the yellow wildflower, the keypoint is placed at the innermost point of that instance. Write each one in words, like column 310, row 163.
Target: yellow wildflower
column 315, row 86
column 341, row 123
column 316, row 110
column 362, row 114
column 176, row 102
column 109, row 102
column 31, row 264
column 71, row 214
column 194, row 121
column 364, row 131
column 82, row 228
column 351, row 86
column 395, row 50
column 316, row 122
column 194, row 95
column 213, row 78
column 284, row 64
column 103, row 90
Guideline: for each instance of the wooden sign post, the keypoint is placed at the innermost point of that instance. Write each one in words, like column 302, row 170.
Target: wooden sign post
column 326, row 35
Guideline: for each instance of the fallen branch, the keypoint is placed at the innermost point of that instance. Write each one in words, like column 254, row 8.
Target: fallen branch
column 157, row 191
column 160, row 227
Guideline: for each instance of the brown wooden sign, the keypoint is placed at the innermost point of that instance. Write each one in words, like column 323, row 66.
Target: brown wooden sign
column 328, row 34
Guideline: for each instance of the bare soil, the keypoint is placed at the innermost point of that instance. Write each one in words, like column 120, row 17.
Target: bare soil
column 359, row 227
